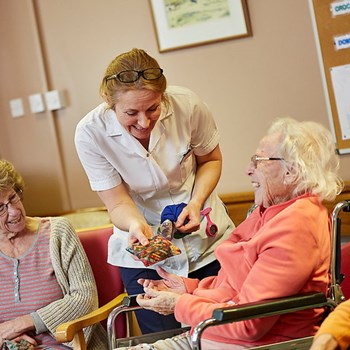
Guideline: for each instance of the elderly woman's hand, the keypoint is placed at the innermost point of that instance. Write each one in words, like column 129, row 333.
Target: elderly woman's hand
column 15, row 329
column 161, row 295
column 24, row 341
column 158, row 301
column 169, row 283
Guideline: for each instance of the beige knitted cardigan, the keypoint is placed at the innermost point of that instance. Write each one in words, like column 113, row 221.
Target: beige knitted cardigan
column 75, row 277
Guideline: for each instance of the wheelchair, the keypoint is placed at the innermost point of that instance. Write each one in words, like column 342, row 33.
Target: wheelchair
column 252, row 310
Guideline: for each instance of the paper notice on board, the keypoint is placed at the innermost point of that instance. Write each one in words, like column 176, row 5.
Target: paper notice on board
column 341, row 86
column 340, row 7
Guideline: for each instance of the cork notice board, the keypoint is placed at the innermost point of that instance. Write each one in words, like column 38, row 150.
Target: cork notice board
column 331, row 21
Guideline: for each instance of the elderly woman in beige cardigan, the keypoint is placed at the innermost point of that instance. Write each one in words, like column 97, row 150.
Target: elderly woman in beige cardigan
column 45, row 276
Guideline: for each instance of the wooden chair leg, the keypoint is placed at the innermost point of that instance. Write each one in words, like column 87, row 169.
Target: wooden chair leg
column 79, row 341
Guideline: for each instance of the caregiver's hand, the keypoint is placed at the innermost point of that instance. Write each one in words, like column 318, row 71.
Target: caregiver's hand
column 139, row 232
column 189, row 219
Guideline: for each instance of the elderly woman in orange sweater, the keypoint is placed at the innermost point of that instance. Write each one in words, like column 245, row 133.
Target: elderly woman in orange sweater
column 281, row 249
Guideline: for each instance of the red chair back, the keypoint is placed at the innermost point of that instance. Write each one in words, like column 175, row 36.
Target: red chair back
column 108, row 280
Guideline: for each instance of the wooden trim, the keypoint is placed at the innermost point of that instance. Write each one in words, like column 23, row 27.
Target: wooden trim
column 239, row 203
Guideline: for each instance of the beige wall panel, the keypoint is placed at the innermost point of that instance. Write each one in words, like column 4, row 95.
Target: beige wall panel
column 29, row 141
column 247, row 82
column 80, row 40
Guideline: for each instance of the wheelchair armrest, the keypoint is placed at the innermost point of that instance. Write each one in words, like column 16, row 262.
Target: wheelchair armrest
column 69, row 330
column 270, row 307
column 263, row 308
column 130, row 300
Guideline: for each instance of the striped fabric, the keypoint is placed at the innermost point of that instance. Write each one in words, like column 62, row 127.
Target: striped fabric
column 29, row 283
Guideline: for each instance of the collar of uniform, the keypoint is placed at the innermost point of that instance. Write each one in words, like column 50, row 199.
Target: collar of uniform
column 159, row 128
column 113, row 127
column 167, row 110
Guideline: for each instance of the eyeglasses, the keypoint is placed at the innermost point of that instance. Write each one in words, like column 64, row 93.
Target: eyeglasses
column 130, row 76
column 14, row 199
column 255, row 159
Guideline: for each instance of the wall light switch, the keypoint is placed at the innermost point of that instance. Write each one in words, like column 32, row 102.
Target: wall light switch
column 55, row 100
column 16, row 107
column 36, row 103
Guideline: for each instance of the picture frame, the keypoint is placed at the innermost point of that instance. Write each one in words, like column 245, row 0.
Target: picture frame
column 187, row 23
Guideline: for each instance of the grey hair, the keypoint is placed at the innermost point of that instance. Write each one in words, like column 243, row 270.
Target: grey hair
column 9, row 177
column 308, row 147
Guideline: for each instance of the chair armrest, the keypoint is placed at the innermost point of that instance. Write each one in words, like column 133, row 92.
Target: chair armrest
column 270, row 307
column 66, row 331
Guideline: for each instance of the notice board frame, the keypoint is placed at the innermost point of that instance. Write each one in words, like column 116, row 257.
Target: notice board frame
column 326, row 27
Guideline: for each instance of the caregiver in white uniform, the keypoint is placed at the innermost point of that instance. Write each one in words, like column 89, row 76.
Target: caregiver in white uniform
column 148, row 146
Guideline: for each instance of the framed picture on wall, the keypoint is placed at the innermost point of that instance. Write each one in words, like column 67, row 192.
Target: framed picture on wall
column 187, row 23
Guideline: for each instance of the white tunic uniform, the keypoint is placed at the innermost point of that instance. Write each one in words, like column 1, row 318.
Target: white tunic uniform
column 161, row 176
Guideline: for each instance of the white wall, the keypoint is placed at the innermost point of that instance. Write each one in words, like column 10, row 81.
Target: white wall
column 247, row 82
